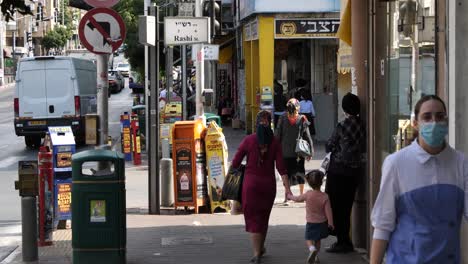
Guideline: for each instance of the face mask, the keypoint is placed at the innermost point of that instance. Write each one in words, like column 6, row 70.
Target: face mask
column 433, row 133
column 264, row 134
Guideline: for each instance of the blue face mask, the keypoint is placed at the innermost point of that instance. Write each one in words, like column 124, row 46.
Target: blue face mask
column 433, row 133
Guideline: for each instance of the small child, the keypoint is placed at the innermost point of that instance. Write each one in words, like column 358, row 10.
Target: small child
column 318, row 214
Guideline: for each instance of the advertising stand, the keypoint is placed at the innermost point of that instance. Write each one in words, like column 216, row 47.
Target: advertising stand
column 46, row 201
column 62, row 143
column 188, row 154
column 217, row 160
column 126, row 136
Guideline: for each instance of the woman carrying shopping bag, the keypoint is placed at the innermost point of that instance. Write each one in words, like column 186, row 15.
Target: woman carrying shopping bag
column 290, row 126
column 262, row 150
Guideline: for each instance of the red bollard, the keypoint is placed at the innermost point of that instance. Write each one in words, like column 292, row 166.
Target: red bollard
column 136, row 148
column 46, row 210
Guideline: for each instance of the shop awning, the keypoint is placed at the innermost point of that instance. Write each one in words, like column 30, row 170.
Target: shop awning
column 344, row 31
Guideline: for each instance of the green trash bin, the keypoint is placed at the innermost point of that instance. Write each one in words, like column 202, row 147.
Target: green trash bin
column 99, row 228
column 212, row 117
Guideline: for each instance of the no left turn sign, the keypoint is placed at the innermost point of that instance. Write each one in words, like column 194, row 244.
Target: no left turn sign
column 101, row 30
column 101, row 3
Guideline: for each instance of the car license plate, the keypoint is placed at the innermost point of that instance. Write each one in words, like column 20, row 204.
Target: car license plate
column 37, row 123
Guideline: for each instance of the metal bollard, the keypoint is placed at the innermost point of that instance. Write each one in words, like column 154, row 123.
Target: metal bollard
column 167, row 182
column 165, row 148
column 29, row 228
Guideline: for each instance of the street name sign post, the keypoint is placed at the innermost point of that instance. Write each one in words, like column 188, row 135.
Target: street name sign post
column 183, row 30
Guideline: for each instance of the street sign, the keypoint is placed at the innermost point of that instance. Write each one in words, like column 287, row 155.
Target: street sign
column 186, row 9
column 101, row 30
column 101, row 3
column 182, row 31
column 210, row 52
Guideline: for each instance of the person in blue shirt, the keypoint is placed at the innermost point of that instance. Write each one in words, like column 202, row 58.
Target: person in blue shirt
column 423, row 195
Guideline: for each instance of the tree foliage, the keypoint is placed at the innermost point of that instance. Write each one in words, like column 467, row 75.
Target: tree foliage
column 134, row 51
column 56, row 38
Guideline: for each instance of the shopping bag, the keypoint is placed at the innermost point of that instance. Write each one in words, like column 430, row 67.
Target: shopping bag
column 232, row 187
column 303, row 148
column 325, row 163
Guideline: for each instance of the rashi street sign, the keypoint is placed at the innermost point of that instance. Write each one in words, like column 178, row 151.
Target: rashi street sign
column 182, row 31
column 101, row 3
column 101, row 30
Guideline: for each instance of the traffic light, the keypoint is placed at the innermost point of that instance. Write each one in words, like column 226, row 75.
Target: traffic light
column 212, row 9
column 28, row 36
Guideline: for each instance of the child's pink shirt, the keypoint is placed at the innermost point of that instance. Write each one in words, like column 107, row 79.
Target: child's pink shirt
column 318, row 208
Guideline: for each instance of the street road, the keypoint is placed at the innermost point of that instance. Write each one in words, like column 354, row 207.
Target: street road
column 13, row 149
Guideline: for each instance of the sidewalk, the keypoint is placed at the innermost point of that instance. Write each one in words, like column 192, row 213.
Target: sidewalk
column 177, row 237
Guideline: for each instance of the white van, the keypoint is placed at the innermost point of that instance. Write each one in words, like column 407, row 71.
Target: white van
column 53, row 91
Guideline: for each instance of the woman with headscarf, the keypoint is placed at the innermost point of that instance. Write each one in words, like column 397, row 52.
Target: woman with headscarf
column 262, row 150
column 289, row 126
column 347, row 146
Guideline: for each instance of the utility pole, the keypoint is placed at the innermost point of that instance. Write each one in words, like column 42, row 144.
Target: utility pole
column 102, row 61
column 146, row 82
column 153, row 151
column 184, row 82
column 199, row 68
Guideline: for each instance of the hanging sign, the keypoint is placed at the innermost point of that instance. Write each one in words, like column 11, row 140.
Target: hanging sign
column 306, row 28
column 182, row 30
column 102, row 30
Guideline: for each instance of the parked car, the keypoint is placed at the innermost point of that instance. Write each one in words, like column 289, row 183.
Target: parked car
column 136, row 87
column 53, row 91
column 124, row 68
column 116, row 81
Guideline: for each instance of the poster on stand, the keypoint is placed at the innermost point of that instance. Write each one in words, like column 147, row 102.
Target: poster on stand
column 183, row 180
column 216, row 156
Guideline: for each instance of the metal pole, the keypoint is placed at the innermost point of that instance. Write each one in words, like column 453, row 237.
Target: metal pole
column 167, row 182
column 146, row 82
column 199, row 68
column 169, row 64
column 102, row 62
column 184, row 82
column 153, row 151
column 29, row 228
column 2, row 37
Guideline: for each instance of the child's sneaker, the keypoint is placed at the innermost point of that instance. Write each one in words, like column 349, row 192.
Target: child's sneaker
column 311, row 257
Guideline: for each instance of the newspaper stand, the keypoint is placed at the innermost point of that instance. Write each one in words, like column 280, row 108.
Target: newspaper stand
column 61, row 142
column 188, row 154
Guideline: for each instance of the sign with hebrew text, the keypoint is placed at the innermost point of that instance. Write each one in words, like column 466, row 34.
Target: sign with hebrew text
column 306, row 28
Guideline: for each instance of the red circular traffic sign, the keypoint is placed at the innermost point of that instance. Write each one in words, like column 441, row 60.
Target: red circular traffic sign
column 101, row 30
column 101, row 3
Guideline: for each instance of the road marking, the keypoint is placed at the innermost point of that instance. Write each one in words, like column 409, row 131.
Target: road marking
column 10, row 161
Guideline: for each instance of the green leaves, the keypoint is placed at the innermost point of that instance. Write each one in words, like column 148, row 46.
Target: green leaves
column 57, row 38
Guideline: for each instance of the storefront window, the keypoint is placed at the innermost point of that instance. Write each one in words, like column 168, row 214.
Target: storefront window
column 412, row 64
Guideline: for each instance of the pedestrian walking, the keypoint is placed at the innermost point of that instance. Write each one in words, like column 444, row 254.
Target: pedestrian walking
column 262, row 150
column 423, row 195
column 307, row 109
column 347, row 146
column 318, row 214
column 290, row 125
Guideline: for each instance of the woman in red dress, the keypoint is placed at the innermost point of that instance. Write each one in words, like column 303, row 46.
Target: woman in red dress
column 262, row 150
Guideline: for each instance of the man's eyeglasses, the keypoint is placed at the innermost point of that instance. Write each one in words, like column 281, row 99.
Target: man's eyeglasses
column 437, row 117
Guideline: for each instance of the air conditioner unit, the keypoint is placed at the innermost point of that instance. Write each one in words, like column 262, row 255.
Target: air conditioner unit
column 34, row 29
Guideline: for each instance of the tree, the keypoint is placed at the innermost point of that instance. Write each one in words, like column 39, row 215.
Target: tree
column 56, row 38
